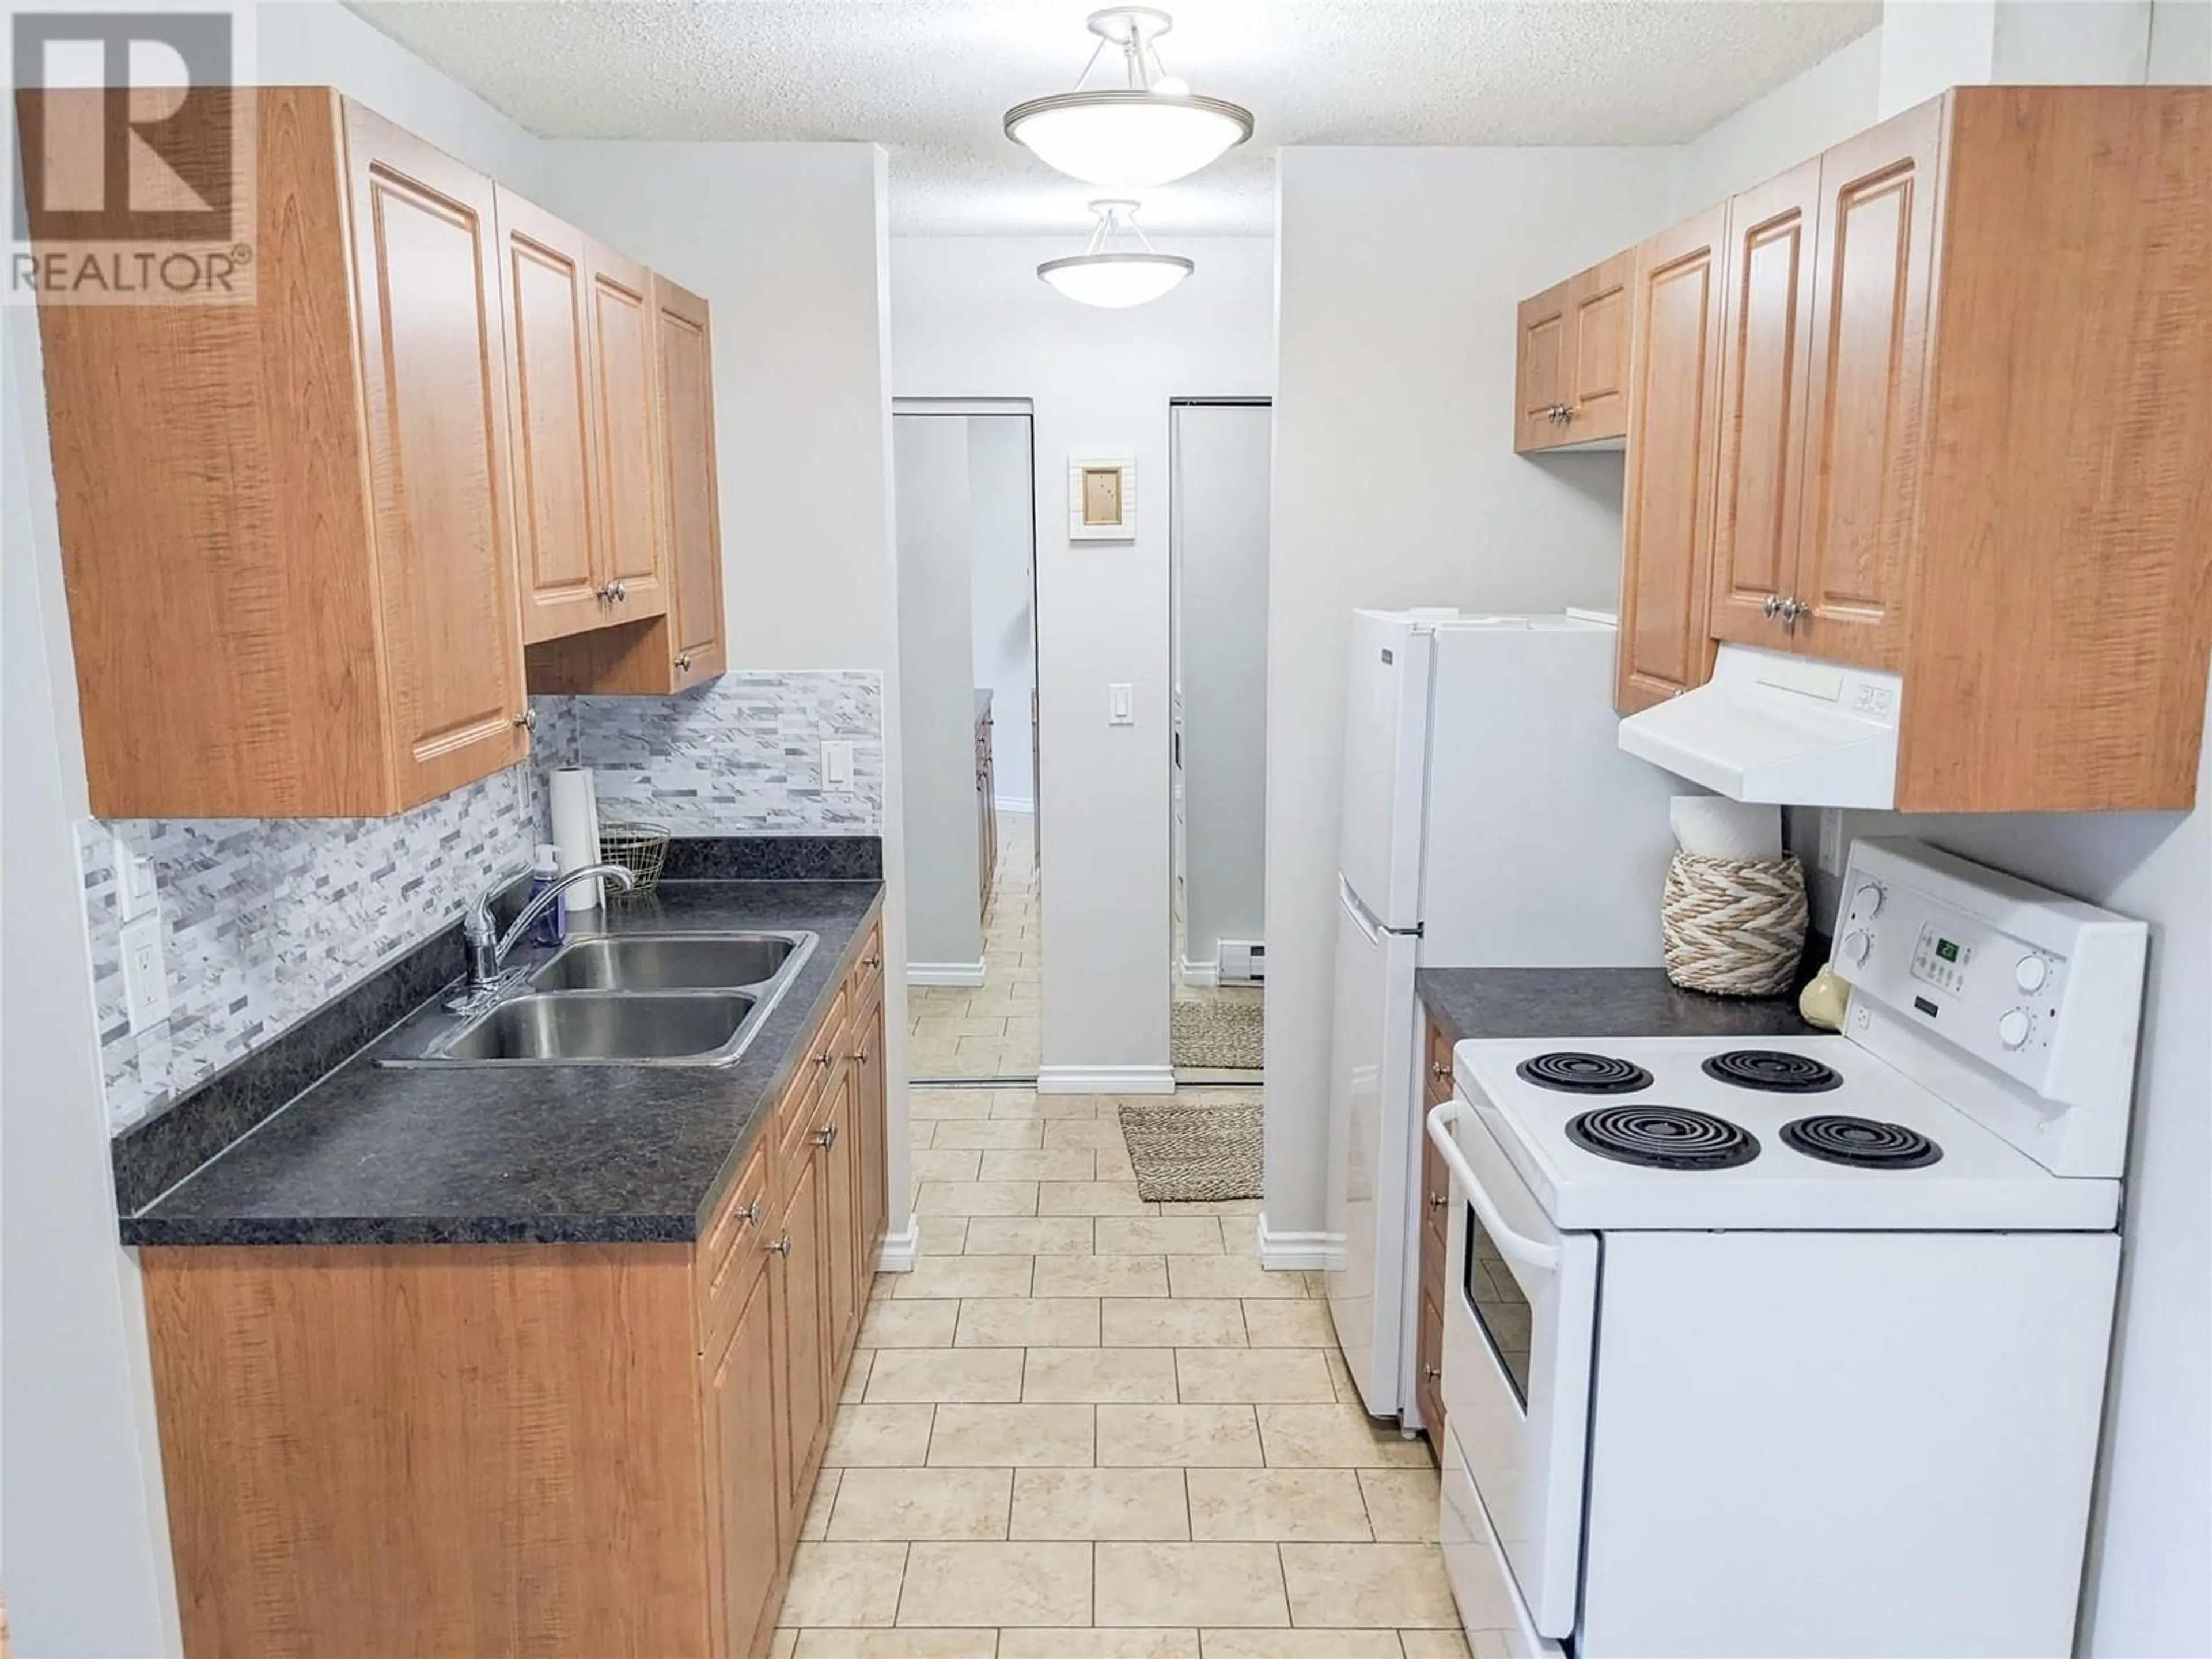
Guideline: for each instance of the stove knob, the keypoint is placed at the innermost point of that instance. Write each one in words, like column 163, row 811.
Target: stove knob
column 2013, row 1027
column 1866, row 904
column 2029, row 973
column 1856, row 944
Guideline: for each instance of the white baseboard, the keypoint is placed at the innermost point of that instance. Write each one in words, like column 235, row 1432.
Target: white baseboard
column 945, row 973
column 900, row 1249
column 1307, row 1251
column 1105, row 1079
column 1007, row 803
column 1201, row 973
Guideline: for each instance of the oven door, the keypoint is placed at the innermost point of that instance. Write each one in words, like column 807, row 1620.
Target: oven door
column 1520, row 1317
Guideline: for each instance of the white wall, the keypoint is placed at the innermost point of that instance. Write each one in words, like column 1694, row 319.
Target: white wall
column 970, row 319
column 2180, row 43
column 86, row 1567
column 1223, row 469
column 1839, row 96
column 1000, row 502
column 1397, row 484
column 937, row 694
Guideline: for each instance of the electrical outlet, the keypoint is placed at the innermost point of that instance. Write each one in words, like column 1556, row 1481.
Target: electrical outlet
column 1832, row 840
column 134, row 881
column 837, row 766
column 145, row 975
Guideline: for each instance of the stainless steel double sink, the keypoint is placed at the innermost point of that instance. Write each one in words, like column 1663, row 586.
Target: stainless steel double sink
column 617, row 1000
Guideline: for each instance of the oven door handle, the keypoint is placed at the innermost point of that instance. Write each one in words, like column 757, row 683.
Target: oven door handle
column 1530, row 1252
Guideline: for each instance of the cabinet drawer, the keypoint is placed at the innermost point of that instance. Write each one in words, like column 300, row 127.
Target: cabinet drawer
column 1437, row 1068
column 805, row 1103
column 1435, row 1199
column 1428, row 1372
column 867, row 974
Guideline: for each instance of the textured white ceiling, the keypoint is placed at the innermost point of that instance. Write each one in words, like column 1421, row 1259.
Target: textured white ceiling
column 931, row 79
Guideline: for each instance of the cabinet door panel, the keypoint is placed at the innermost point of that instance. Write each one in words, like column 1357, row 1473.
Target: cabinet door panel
column 741, row 1418
column 868, row 1115
column 435, row 383
column 803, row 1372
column 1541, row 380
column 549, row 380
column 1870, row 308
column 1598, row 352
column 1667, row 530
column 841, row 1224
column 688, row 497
column 627, row 446
column 1766, row 338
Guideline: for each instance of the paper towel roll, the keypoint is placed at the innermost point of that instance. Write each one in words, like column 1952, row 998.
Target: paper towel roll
column 576, row 830
column 1719, row 828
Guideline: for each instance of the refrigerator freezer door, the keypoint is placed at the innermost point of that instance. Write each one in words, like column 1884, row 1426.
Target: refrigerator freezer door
column 1386, row 720
column 1371, row 1121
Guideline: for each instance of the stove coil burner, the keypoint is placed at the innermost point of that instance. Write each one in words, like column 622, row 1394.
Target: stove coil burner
column 1662, row 1138
column 1773, row 1071
column 1862, row 1142
column 1585, row 1074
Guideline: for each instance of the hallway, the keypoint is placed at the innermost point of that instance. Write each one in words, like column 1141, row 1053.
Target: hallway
column 988, row 1032
column 1088, row 1426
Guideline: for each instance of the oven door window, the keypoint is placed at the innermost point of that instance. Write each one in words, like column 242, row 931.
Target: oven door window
column 1500, row 1310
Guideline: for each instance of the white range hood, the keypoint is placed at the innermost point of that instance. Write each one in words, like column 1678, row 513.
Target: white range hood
column 1775, row 728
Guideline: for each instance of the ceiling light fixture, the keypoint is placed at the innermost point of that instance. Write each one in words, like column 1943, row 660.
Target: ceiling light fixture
column 1105, row 275
column 1151, row 132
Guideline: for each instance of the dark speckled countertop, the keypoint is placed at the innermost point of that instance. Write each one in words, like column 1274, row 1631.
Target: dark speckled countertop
column 1585, row 1003
column 469, row 1155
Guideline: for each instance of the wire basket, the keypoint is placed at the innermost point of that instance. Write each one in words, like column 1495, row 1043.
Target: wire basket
column 639, row 848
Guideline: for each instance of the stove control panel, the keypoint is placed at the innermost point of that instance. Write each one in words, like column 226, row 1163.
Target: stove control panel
column 1950, row 963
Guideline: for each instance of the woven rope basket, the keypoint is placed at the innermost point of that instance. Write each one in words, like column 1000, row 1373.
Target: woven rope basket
column 1734, row 927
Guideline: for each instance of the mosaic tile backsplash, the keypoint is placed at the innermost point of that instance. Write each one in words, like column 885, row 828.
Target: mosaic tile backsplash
column 739, row 756
column 264, row 920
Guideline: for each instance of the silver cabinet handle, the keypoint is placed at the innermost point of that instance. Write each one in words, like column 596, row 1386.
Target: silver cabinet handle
column 1438, row 1070
column 1773, row 606
column 826, row 1137
column 875, row 961
column 782, row 1246
column 527, row 719
column 860, row 1057
column 750, row 1214
column 622, row 590
column 682, row 662
column 826, row 1058
column 605, row 592
column 1438, row 1200
column 1433, row 1372
column 1792, row 609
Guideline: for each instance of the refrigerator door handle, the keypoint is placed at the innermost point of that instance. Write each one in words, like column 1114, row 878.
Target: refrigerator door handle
column 1362, row 918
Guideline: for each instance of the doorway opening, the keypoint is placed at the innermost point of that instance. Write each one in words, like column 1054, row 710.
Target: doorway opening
column 964, row 471
column 1220, row 466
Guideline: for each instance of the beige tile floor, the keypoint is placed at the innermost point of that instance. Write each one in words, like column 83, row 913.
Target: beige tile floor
column 1089, row 1426
column 962, row 1032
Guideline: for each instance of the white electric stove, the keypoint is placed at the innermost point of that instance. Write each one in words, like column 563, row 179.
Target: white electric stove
column 1797, row 1345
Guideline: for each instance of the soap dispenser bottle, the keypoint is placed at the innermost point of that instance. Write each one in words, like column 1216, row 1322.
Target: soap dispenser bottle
column 551, row 927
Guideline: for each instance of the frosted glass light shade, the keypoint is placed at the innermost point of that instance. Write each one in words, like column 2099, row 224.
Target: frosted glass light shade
column 1127, row 140
column 1115, row 281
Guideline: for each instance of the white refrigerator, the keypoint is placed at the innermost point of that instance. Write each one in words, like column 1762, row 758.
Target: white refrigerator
column 1490, row 819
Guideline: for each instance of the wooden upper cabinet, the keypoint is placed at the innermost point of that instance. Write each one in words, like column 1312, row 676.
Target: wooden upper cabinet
column 689, row 492
column 1675, row 307
column 434, row 387
column 1598, row 352
column 1767, row 330
column 1540, row 378
column 1867, row 389
column 625, row 392
column 549, row 377
column 1571, row 377
column 683, row 646
column 303, row 604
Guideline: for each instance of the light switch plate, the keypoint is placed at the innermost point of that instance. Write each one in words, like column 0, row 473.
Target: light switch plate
column 1121, row 705
column 1832, row 840
column 134, row 881
column 837, row 765
column 145, row 975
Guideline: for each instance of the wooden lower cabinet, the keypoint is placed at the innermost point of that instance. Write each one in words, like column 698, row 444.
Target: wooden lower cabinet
column 589, row 1451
